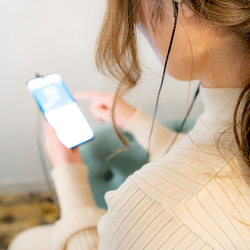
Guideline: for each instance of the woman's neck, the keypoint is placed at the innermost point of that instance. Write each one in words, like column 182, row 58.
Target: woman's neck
column 224, row 67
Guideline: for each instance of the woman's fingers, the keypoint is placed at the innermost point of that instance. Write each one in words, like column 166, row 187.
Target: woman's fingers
column 101, row 107
column 57, row 152
column 100, row 112
column 105, row 98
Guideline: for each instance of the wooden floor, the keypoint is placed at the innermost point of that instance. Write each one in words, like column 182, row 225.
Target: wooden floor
column 22, row 211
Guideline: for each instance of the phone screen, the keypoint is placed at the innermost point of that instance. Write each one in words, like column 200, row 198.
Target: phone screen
column 60, row 109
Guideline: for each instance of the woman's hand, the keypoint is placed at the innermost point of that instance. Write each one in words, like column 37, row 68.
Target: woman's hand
column 57, row 152
column 102, row 104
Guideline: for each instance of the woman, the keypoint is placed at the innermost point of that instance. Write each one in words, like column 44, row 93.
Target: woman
column 197, row 195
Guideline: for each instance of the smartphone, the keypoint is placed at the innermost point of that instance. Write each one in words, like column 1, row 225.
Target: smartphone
column 60, row 109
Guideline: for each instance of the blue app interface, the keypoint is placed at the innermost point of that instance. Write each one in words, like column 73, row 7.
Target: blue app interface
column 52, row 96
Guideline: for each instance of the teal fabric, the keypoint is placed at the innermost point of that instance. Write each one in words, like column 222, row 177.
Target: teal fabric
column 107, row 167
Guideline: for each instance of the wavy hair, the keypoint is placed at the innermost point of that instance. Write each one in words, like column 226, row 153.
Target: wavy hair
column 116, row 53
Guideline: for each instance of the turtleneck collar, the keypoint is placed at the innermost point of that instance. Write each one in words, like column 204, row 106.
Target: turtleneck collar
column 220, row 103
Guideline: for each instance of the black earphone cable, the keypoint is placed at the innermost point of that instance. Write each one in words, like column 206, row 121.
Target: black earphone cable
column 178, row 131
column 41, row 156
column 40, row 150
column 42, row 160
column 162, row 79
column 175, row 6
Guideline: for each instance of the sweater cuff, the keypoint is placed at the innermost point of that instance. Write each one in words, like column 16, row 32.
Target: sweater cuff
column 138, row 121
column 78, row 221
column 72, row 186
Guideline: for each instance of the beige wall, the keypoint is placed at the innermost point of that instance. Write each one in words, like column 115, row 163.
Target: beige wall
column 47, row 36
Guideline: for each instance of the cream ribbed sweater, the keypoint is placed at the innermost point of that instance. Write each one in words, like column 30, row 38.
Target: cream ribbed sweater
column 195, row 197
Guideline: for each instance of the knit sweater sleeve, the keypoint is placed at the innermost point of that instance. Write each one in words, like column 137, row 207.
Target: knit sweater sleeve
column 134, row 220
column 161, row 139
column 77, row 227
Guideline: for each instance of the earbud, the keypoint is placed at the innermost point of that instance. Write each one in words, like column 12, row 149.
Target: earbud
column 175, row 6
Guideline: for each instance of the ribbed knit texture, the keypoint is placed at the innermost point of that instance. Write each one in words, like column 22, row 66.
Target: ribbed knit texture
column 195, row 197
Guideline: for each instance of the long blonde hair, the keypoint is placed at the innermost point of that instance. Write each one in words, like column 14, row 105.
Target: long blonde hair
column 117, row 49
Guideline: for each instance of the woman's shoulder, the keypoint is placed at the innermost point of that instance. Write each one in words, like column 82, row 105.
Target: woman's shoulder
column 190, row 188
column 180, row 174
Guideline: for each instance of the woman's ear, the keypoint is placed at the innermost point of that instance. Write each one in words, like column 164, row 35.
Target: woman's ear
column 185, row 11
